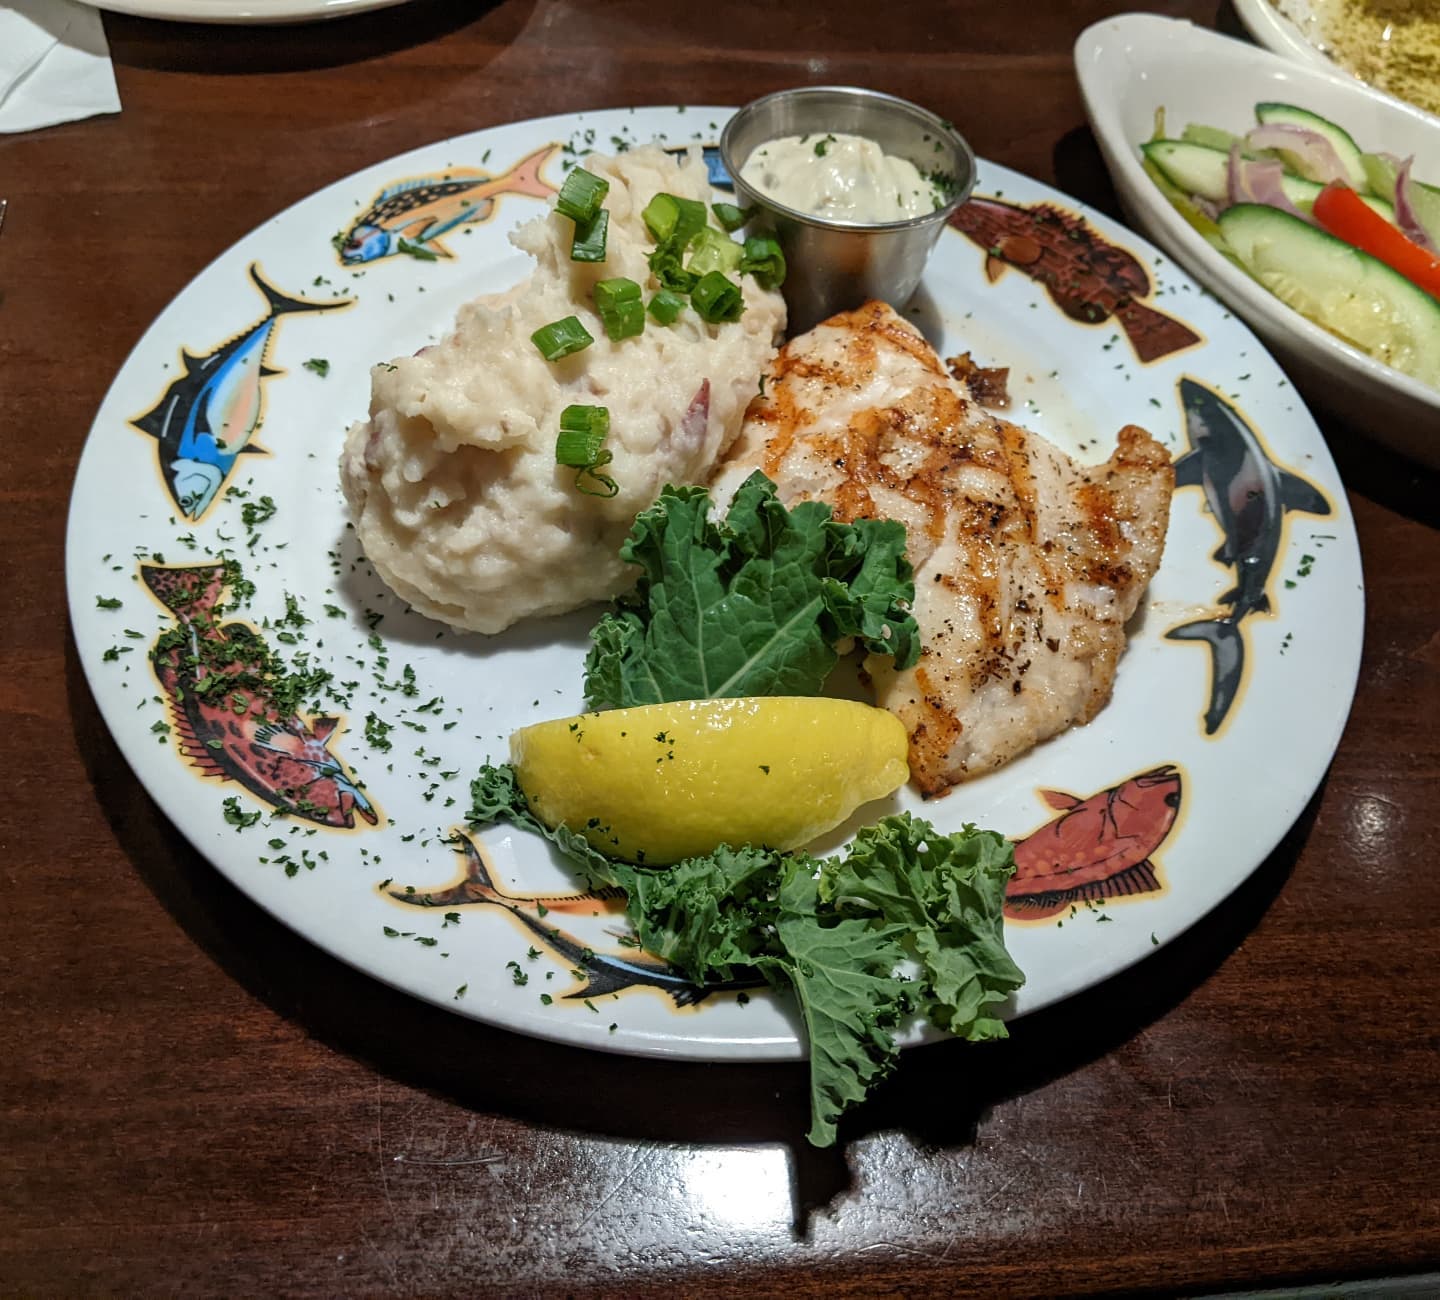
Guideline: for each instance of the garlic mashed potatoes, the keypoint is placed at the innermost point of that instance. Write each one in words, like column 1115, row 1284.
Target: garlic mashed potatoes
column 452, row 482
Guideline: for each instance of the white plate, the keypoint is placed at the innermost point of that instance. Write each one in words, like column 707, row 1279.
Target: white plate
column 1077, row 382
column 1130, row 66
column 242, row 11
column 1298, row 33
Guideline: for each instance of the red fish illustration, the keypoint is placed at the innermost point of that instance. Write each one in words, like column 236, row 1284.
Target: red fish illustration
column 1087, row 277
column 1098, row 847
column 222, row 688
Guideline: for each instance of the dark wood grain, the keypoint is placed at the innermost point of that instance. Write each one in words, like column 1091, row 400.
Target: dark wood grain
column 194, row 1100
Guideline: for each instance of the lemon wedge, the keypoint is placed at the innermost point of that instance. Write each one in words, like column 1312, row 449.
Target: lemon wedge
column 663, row 782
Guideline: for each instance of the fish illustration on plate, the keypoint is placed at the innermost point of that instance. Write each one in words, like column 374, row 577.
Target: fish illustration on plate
column 1087, row 277
column 1248, row 495
column 414, row 215
column 602, row 972
column 207, row 417
column 226, row 708
column 1098, row 847
column 714, row 163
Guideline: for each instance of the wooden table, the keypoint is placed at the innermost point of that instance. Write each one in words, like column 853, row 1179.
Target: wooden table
column 194, row 1100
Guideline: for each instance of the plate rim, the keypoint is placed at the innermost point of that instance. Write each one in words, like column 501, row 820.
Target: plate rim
column 242, row 11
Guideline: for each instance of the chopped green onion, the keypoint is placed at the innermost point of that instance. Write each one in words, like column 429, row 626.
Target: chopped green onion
column 764, row 260
column 589, row 243
column 620, row 308
column 610, row 294
column 667, row 216
column 665, row 306
column 581, row 196
column 665, row 263
column 562, row 337
column 712, row 251
column 730, row 217
column 582, row 430
column 593, row 483
column 717, row 299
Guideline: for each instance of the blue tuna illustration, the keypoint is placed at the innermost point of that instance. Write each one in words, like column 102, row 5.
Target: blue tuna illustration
column 1248, row 494
column 205, row 419
column 603, row 972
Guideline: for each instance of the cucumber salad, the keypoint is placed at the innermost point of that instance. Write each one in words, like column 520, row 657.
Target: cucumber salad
column 1349, row 239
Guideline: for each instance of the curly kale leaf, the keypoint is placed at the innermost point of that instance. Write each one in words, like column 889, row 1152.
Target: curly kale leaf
column 753, row 605
column 838, row 932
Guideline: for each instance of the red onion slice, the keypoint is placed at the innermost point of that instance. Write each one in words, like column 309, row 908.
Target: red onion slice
column 1260, row 181
column 1405, row 215
column 1314, row 155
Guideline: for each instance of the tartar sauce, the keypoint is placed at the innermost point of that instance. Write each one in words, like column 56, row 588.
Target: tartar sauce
column 840, row 177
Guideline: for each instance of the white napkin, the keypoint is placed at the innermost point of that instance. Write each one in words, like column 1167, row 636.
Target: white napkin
column 54, row 64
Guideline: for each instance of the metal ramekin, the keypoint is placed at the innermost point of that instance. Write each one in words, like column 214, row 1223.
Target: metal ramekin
column 836, row 265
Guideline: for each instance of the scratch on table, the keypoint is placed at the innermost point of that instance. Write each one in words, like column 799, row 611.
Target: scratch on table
column 642, row 1159
column 403, row 1158
column 901, row 1249
column 995, row 1195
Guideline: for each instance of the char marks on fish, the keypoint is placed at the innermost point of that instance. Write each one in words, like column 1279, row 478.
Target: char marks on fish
column 1027, row 563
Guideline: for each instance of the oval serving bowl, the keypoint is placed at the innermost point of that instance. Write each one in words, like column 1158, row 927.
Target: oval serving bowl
column 1132, row 65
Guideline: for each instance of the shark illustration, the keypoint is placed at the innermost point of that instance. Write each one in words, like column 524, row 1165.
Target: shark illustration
column 204, row 421
column 603, row 972
column 1248, row 494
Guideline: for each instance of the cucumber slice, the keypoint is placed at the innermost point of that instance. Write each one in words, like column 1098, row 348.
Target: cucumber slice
column 1349, row 293
column 1205, row 172
column 1348, row 151
column 1211, row 137
column 1425, row 199
column 1185, row 206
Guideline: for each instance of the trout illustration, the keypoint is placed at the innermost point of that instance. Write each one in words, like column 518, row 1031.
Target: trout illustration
column 228, row 722
column 413, row 216
column 1087, row 277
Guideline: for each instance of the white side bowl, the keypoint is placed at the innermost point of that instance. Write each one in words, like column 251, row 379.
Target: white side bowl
column 1132, row 65
column 1275, row 31
column 1292, row 33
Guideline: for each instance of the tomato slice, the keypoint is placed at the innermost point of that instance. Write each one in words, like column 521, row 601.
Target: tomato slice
column 1345, row 215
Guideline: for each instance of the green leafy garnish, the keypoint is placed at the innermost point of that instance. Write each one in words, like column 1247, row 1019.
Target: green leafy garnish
column 751, row 606
column 835, row 931
column 319, row 365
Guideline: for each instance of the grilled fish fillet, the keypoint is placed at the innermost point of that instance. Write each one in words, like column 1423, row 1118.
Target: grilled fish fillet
column 1027, row 563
